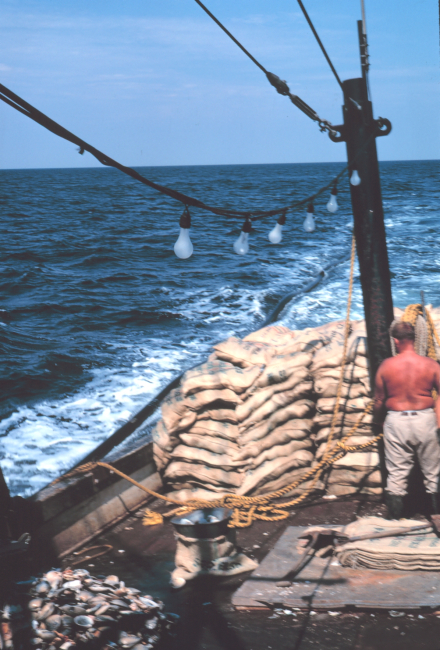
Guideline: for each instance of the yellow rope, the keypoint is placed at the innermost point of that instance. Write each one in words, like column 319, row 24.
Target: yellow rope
column 266, row 506
column 410, row 316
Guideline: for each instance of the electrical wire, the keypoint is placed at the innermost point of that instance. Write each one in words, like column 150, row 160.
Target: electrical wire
column 315, row 33
column 280, row 86
column 34, row 114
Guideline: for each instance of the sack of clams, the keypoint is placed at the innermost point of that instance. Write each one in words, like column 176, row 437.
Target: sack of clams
column 72, row 609
column 257, row 415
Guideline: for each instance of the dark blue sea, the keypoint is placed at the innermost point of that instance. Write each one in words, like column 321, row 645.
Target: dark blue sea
column 97, row 313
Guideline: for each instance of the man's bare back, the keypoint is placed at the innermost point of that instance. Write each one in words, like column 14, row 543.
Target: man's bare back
column 405, row 383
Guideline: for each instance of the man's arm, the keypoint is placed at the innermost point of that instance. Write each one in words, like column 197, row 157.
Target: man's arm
column 379, row 410
column 436, row 386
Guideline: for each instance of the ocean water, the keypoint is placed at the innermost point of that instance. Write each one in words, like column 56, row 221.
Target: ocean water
column 97, row 313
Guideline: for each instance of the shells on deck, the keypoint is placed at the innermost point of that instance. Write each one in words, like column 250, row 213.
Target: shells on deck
column 72, row 609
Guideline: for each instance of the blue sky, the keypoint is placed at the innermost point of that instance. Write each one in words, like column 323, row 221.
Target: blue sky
column 158, row 83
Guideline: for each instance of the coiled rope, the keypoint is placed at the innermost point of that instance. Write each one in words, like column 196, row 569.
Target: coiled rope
column 266, row 507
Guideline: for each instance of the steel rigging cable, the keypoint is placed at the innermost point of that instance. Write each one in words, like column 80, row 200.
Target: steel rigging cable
column 315, row 33
column 280, row 86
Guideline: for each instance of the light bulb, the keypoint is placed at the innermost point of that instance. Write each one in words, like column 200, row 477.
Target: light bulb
column 309, row 222
column 183, row 247
column 241, row 246
column 355, row 178
column 332, row 205
column 276, row 234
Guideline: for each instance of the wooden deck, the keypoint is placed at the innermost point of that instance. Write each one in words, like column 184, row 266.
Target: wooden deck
column 143, row 557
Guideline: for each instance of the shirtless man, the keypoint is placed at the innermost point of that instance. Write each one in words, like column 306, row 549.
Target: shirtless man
column 403, row 390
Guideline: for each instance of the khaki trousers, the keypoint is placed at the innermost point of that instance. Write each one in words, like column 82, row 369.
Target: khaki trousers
column 408, row 434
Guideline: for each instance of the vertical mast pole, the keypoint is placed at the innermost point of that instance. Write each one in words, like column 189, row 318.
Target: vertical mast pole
column 359, row 131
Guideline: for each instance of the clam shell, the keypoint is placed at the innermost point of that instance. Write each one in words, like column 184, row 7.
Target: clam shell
column 72, row 584
column 66, row 620
column 84, row 596
column 35, row 604
column 97, row 587
column 151, row 624
column 42, row 588
column 53, row 622
column 128, row 641
column 47, row 610
column 147, row 602
column 46, row 635
column 81, row 573
column 112, row 581
column 119, row 603
column 73, row 610
column 102, row 609
column 83, row 621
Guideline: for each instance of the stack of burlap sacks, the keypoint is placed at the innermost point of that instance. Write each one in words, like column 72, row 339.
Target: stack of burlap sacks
column 257, row 415
column 242, row 422
column 356, row 471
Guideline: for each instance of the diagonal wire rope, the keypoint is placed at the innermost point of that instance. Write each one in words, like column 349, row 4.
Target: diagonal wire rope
column 280, row 86
column 324, row 51
column 34, row 114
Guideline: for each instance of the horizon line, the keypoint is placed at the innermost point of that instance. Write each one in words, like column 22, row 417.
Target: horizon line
column 330, row 162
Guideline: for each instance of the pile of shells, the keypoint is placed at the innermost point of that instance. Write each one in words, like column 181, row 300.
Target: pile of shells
column 72, row 609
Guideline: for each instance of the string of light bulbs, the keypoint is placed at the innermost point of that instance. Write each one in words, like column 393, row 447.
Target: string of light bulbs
column 183, row 248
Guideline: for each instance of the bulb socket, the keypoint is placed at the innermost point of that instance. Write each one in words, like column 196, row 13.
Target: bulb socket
column 334, row 190
column 185, row 219
column 247, row 226
column 310, row 208
column 282, row 219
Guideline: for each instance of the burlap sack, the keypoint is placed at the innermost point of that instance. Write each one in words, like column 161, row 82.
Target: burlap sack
column 273, row 335
column 161, row 437
column 362, row 362
column 215, row 445
column 348, row 490
column 331, row 356
column 352, row 374
column 272, row 469
column 161, row 457
column 261, row 396
column 216, row 557
column 282, row 367
column 197, row 455
column 280, row 482
column 204, row 474
column 217, row 375
column 194, row 492
column 361, row 432
column 277, row 401
column 330, row 330
column 414, row 551
column 293, row 430
column 327, row 387
column 348, row 419
column 200, row 400
column 237, row 351
column 193, row 484
column 288, row 478
column 370, row 478
column 222, row 415
column 215, row 429
column 302, row 409
column 175, row 412
column 281, row 451
column 353, row 440
column 327, row 405
column 358, row 460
